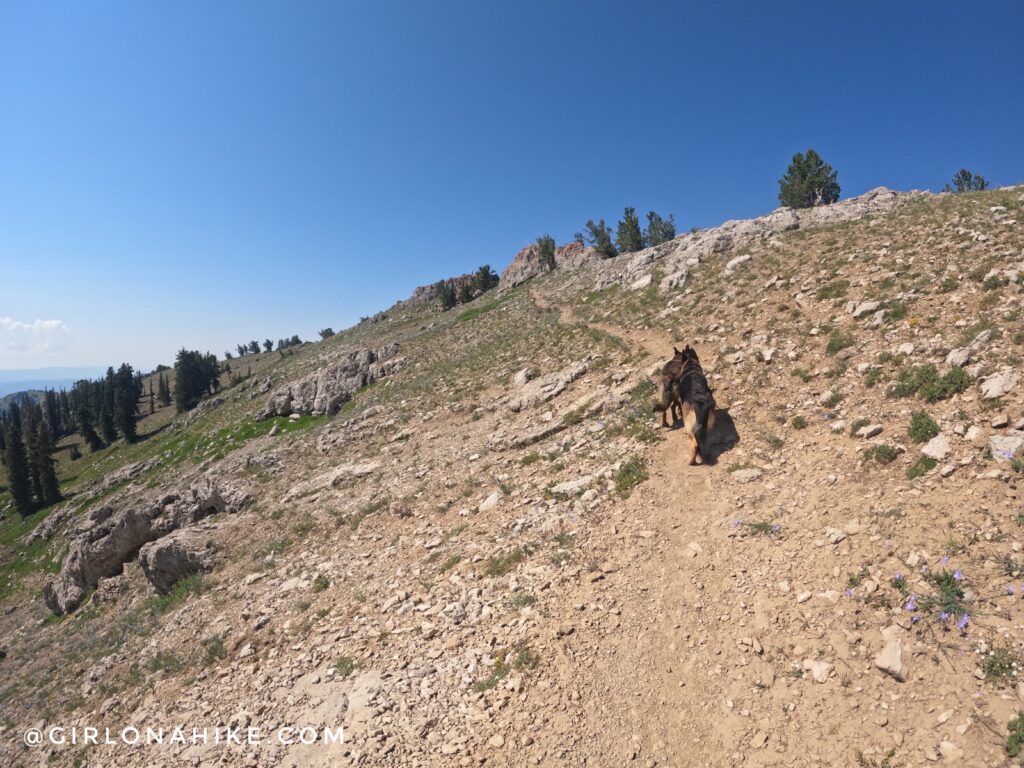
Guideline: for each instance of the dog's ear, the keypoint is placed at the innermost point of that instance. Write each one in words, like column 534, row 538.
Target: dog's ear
column 676, row 351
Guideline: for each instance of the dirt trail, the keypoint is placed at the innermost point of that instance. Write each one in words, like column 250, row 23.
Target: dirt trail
column 649, row 701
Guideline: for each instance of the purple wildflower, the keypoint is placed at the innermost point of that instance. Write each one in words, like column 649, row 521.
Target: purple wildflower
column 944, row 616
column 776, row 528
column 958, row 575
column 736, row 524
column 945, row 560
column 911, row 604
column 898, row 576
column 849, row 593
column 1009, row 589
column 962, row 623
column 914, row 619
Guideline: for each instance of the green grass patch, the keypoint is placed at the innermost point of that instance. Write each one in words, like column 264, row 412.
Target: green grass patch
column 499, row 565
column 922, row 466
column 881, row 454
column 922, row 427
column 632, row 472
column 838, row 341
column 925, row 381
column 834, row 290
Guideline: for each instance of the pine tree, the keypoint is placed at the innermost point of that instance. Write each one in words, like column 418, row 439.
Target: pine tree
column 16, row 460
column 268, row 345
column 465, row 292
column 163, row 391
column 659, row 230
column 485, row 278
column 40, row 450
column 809, row 181
column 108, row 428
column 965, row 181
column 30, row 431
column 629, row 237
column 446, row 290
column 546, row 251
column 127, row 389
column 599, row 236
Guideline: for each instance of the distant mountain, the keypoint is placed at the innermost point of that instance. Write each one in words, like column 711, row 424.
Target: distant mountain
column 24, row 379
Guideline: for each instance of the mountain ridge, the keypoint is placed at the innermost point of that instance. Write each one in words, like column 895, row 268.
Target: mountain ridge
column 493, row 555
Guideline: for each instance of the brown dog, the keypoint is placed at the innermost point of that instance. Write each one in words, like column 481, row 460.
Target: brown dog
column 668, row 383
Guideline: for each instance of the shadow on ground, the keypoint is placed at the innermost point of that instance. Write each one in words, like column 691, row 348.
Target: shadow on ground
column 723, row 437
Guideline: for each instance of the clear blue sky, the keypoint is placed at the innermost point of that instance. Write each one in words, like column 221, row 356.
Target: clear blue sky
column 201, row 173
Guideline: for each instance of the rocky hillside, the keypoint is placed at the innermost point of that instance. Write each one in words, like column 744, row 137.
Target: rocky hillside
column 462, row 535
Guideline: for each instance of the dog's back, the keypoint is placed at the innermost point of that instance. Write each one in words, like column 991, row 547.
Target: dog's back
column 698, row 404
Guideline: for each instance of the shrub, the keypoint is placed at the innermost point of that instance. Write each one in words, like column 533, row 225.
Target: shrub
column 881, row 454
column 1015, row 741
column 922, row 466
column 344, row 666
column 838, row 341
column 799, row 422
column 922, row 427
column 834, row 290
column 925, row 381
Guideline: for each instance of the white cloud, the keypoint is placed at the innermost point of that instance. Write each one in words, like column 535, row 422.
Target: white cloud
column 40, row 336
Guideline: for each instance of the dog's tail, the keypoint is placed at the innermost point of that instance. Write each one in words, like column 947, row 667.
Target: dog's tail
column 666, row 396
column 702, row 410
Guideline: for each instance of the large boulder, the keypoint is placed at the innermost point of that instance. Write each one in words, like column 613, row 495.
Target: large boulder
column 179, row 554
column 324, row 391
column 107, row 538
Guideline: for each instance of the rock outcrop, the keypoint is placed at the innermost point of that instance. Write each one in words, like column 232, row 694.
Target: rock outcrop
column 678, row 256
column 323, row 392
column 107, row 538
column 527, row 263
column 430, row 292
column 182, row 553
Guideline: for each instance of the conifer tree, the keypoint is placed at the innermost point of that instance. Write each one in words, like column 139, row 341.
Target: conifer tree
column 16, row 461
column 546, row 251
column 809, row 181
column 659, row 230
column 127, row 389
column 46, row 485
column 599, row 236
column 629, row 237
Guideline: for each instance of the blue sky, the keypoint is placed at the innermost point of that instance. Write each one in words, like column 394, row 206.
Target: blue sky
column 198, row 174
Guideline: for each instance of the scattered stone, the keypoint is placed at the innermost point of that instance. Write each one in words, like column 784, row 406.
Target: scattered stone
column 998, row 384
column 890, row 658
column 746, row 475
column 960, row 357
column 937, row 448
column 490, row 502
column 869, row 431
column 819, row 670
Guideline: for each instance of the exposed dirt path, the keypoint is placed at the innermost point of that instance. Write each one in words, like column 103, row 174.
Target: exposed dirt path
column 647, row 699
